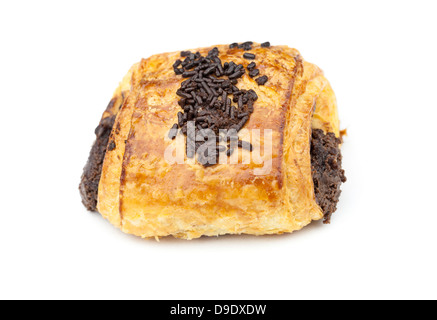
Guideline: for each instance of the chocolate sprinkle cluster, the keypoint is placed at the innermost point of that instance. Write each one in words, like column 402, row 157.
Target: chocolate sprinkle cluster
column 248, row 45
column 207, row 99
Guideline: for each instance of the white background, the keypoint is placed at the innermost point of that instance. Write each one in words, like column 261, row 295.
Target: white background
column 60, row 62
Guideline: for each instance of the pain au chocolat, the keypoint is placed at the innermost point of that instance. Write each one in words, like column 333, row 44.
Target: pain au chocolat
column 259, row 132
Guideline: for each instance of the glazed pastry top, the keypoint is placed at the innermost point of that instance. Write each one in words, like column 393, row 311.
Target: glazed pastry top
column 144, row 194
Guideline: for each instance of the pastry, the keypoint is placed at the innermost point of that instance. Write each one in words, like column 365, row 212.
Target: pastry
column 259, row 132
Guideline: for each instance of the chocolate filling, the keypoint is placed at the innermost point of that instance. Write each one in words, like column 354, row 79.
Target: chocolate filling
column 326, row 170
column 89, row 184
column 325, row 162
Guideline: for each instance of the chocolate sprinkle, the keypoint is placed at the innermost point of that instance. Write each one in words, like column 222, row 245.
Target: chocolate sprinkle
column 249, row 56
column 251, row 66
column 173, row 132
column 245, row 145
column 246, row 45
column 254, row 73
column 262, row 80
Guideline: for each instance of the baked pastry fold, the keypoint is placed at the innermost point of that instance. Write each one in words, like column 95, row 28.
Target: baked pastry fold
column 144, row 194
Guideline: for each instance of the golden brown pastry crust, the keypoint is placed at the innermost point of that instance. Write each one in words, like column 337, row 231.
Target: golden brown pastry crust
column 144, row 195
